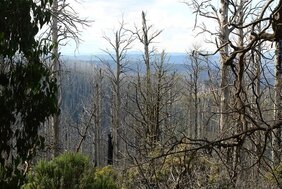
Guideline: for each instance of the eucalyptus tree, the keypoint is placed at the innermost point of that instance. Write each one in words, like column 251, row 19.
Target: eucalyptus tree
column 27, row 90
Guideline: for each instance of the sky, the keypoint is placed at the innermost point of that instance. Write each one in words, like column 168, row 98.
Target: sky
column 171, row 16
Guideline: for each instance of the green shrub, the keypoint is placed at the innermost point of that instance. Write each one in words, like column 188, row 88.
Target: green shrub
column 101, row 178
column 105, row 178
column 69, row 171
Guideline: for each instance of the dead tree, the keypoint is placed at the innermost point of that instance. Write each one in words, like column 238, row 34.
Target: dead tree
column 98, row 118
column 276, row 136
column 64, row 26
column 240, row 34
column 146, row 37
column 56, row 71
column 120, row 44
column 195, row 68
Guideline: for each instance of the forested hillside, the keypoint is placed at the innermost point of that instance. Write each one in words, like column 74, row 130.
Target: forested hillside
column 78, row 86
column 149, row 120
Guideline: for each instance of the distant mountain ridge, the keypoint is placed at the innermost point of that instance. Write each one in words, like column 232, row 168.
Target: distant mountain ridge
column 174, row 58
column 175, row 62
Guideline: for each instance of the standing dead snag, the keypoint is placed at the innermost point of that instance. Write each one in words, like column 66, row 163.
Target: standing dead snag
column 224, row 37
column 235, row 54
column 193, row 81
column 146, row 38
column 120, row 44
column 98, row 118
column 56, row 75
column 276, row 135
column 64, row 26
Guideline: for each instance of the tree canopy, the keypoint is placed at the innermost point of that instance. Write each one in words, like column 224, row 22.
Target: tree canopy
column 26, row 87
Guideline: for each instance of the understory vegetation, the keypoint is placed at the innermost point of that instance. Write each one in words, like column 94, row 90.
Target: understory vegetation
column 70, row 171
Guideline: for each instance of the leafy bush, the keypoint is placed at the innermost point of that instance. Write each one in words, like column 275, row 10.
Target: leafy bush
column 70, row 171
column 103, row 178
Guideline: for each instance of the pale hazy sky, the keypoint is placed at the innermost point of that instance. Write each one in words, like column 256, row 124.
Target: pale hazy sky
column 171, row 16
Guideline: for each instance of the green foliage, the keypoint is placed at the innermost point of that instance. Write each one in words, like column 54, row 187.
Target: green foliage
column 70, row 171
column 65, row 171
column 20, row 21
column 27, row 98
column 274, row 176
column 105, row 178
column 27, row 90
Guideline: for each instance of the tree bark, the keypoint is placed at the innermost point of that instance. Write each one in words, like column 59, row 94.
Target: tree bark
column 116, row 131
column 56, row 75
column 120, row 44
column 224, row 35
column 149, row 113
column 97, row 120
column 276, row 135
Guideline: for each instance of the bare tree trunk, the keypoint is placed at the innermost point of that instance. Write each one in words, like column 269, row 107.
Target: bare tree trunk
column 257, row 101
column 146, row 40
column 56, row 75
column 196, row 95
column 224, row 34
column 194, row 85
column 120, row 44
column 116, row 130
column 276, row 136
column 117, row 105
column 159, row 96
column 149, row 113
column 97, row 119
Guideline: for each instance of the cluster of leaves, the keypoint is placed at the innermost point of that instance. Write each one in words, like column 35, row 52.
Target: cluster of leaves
column 70, row 171
column 26, row 99
column 27, row 88
column 20, row 21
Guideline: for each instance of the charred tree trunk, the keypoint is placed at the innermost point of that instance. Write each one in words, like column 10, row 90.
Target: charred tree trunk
column 110, row 150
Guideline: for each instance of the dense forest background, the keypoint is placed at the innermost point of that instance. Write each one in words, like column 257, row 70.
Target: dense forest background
column 150, row 119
